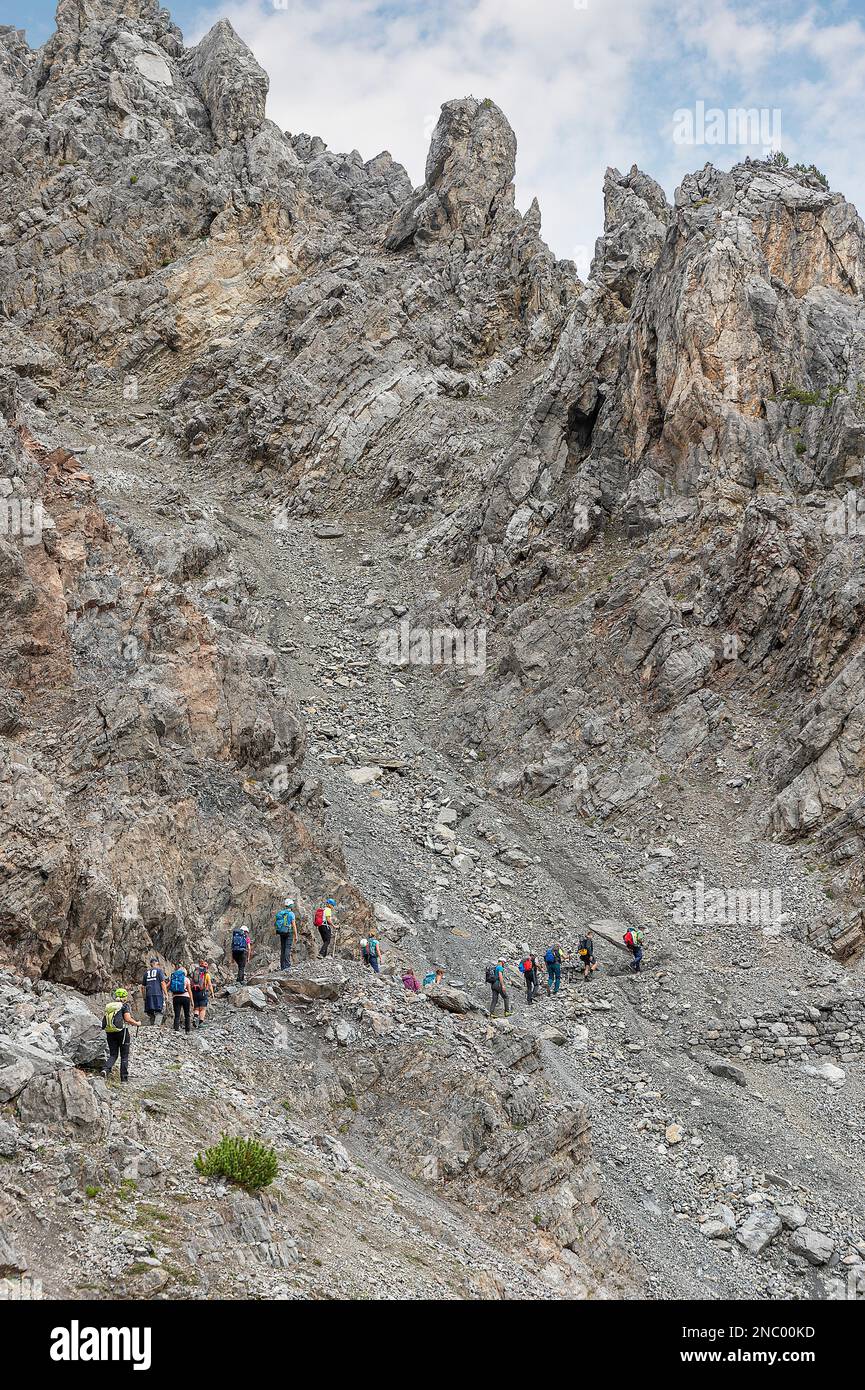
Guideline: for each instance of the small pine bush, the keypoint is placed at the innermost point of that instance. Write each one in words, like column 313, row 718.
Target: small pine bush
column 242, row 1161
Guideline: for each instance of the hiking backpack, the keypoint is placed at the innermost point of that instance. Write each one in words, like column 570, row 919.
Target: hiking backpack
column 112, row 1009
column 527, row 965
column 199, row 978
column 550, row 956
column 177, row 983
column 284, row 919
column 628, row 939
column 238, row 940
column 583, row 951
column 319, row 918
column 491, row 974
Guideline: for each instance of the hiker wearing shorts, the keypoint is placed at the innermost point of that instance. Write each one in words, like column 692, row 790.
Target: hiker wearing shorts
column 202, row 988
column 155, row 992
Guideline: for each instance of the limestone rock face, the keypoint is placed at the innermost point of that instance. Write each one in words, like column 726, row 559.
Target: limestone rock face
column 230, row 82
column 469, row 171
column 351, row 547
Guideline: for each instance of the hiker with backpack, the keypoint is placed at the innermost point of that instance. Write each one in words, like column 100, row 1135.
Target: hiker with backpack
column 155, row 989
column 323, row 922
column 495, row 978
column 241, row 950
column 116, row 1022
column 373, row 950
column 633, row 939
column 529, row 968
column 434, row 977
column 411, row 982
column 202, row 988
column 553, row 962
column 181, row 998
column 586, row 954
column 286, row 931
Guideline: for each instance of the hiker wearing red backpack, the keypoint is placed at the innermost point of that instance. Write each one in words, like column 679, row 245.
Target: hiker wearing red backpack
column 529, row 968
column 633, row 939
column 202, row 988
column 323, row 922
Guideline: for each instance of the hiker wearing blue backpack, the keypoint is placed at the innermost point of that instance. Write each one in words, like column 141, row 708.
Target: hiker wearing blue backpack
column 553, row 962
column 181, row 998
column 241, row 950
column 286, row 931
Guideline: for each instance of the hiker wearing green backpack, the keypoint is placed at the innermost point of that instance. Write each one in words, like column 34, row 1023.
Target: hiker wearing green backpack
column 286, row 931
column 633, row 939
column 116, row 1022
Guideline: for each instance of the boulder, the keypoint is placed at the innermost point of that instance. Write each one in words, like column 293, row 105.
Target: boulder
column 453, row 1001
column 758, row 1231
column 311, row 989
column 719, row 1067
column 814, row 1247
column 13, row 1079
column 249, row 997
column 68, row 1098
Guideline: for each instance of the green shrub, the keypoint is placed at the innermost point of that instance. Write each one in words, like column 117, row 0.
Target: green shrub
column 242, row 1161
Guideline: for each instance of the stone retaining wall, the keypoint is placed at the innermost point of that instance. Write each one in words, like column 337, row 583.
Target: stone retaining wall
column 835, row 1029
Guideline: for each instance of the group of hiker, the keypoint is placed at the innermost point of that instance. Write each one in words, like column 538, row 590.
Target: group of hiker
column 553, row 960
column 415, row 986
column 190, row 990
column 187, row 991
column 287, row 930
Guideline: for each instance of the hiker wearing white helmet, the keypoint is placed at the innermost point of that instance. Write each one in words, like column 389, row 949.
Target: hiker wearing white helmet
column 286, row 930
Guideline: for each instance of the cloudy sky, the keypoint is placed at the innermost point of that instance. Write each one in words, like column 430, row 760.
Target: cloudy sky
column 584, row 83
